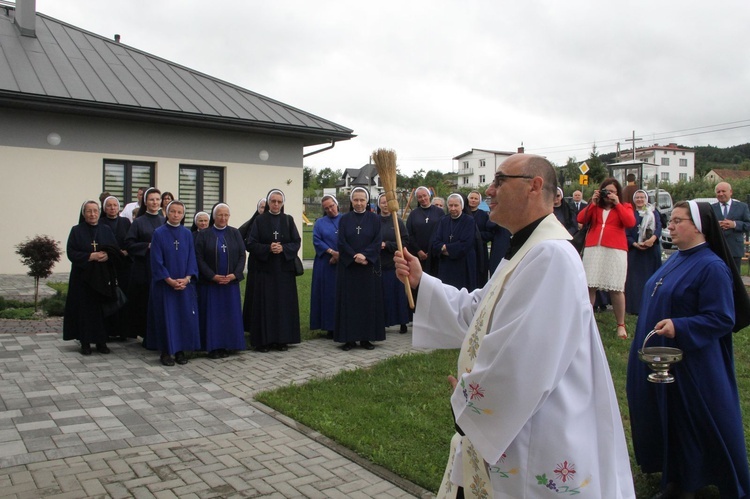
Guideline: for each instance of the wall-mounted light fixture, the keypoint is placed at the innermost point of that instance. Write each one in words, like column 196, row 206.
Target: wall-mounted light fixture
column 54, row 139
column 263, row 155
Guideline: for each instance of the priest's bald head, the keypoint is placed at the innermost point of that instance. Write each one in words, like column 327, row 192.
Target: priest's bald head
column 523, row 191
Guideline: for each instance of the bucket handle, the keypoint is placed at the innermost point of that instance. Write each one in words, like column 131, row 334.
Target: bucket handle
column 648, row 337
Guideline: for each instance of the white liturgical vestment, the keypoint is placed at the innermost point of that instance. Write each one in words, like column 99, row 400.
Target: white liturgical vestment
column 538, row 405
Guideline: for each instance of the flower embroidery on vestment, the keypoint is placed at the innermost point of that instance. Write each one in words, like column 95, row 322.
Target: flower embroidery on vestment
column 475, row 391
column 564, row 472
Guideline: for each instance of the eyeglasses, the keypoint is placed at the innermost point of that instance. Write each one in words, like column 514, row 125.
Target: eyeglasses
column 500, row 177
column 678, row 221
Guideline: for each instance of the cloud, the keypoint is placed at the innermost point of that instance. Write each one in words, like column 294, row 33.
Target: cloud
column 433, row 79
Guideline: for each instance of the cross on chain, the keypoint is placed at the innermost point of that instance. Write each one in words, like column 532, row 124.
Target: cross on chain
column 358, row 229
column 224, row 248
column 658, row 283
column 94, row 245
column 275, row 235
column 450, row 238
column 427, row 220
column 176, row 245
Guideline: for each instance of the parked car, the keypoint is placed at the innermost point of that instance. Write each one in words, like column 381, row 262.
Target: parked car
column 666, row 238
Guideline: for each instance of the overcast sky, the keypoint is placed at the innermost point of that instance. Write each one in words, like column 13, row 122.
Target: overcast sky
column 433, row 79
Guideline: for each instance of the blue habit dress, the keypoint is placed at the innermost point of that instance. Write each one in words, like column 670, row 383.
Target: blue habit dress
column 690, row 430
column 641, row 264
column 222, row 252
column 172, row 315
column 459, row 267
column 359, row 295
column 421, row 225
column 323, row 294
column 395, row 305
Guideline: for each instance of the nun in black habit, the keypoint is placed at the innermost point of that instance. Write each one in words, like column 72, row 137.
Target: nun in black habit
column 359, row 295
column 116, row 323
column 274, row 243
column 138, row 244
column 247, row 307
column 92, row 249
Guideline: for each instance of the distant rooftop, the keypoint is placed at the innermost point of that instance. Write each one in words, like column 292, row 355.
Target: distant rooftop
column 67, row 69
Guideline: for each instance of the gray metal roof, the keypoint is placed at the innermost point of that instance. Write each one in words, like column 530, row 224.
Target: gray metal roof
column 67, row 69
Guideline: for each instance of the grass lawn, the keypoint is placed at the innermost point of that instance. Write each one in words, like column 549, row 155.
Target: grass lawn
column 397, row 413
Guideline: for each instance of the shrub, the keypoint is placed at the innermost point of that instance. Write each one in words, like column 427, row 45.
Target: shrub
column 39, row 254
column 54, row 305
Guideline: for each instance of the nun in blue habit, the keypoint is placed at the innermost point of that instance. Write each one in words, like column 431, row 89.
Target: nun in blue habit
column 173, row 301
column 691, row 430
column 220, row 254
column 326, row 243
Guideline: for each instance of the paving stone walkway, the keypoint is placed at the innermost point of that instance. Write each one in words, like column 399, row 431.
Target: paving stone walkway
column 122, row 425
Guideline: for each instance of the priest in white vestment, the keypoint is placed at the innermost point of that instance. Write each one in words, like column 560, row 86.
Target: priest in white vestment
column 534, row 398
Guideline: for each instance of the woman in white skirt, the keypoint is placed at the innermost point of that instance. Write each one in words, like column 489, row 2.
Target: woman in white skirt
column 605, row 256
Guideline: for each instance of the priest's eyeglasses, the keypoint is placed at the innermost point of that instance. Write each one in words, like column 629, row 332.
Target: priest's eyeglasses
column 501, row 177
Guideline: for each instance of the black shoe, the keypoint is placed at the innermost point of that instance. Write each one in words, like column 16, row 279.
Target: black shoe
column 223, row 353
column 102, row 348
column 403, row 329
column 86, row 349
column 367, row 345
column 348, row 346
column 214, row 354
column 167, row 360
column 281, row 347
column 179, row 357
column 263, row 349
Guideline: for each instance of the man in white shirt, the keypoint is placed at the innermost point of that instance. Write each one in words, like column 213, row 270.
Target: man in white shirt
column 534, row 404
column 127, row 212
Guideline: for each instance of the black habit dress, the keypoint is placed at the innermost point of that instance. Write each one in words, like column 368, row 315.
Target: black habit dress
column 84, row 317
column 117, row 322
column 421, row 225
column 459, row 267
column 137, row 243
column 359, row 295
column 275, row 310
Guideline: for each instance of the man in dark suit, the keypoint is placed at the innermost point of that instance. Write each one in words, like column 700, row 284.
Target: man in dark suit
column 578, row 201
column 734, row 218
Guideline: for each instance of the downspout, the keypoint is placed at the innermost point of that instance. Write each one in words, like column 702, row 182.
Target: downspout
column 320, row 150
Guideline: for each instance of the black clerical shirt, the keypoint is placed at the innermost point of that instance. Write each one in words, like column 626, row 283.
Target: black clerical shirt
column 520, row 237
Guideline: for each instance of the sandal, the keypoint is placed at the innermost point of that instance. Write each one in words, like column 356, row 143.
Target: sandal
column 624, row 334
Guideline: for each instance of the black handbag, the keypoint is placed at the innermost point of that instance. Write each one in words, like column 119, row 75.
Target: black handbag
column 298, row 268
column 579, row 239
column 110, row 307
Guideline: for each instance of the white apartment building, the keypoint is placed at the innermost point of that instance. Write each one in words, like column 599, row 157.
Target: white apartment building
column 476, row 168
column 674, row 163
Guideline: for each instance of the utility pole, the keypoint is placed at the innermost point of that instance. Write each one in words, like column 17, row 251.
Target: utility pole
column 633, row 140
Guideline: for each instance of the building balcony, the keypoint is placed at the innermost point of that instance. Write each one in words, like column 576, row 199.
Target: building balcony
column 465, row 171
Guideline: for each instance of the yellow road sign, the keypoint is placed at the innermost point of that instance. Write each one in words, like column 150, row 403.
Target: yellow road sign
column 584, row 168
column 583, row 179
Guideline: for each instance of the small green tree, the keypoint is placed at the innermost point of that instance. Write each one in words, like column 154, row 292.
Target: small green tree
column 39, row 254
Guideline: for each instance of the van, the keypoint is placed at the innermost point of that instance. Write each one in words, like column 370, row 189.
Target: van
column 666, row 237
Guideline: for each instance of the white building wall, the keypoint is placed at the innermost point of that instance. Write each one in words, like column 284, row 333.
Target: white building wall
column 674, row 168
column 44, row 186
column 478, row 174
